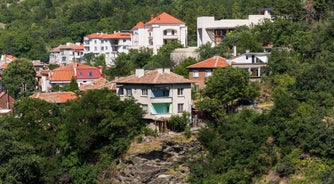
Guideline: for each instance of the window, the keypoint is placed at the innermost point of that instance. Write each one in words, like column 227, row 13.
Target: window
column 90, row 74
column 102, row 48
column 208, row 73
column 180, row 91
column 144, row 107
column 80, row 73
column 63, row 58
column 165, row 32
column 120, row 91
column 95, row 41
column 144, row 92
column 95, row 48
column 173, row 32
column 195, row 73
column 128, row 92
column 180, row 107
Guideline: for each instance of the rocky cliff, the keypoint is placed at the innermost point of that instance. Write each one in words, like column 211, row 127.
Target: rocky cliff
column 164, row 160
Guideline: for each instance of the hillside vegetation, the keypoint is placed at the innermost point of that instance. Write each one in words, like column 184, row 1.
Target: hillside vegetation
column 292, row 141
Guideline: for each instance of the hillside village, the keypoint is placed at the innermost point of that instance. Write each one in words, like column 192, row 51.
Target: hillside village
column 216, row 91
column 159, row 30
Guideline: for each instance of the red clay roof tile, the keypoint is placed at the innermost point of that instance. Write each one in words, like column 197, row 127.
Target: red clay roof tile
column 214, row 62
column 164, row 18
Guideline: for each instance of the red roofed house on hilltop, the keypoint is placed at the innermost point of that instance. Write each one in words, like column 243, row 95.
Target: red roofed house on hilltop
column 108, row 44
column 62, row 76
column 158, row 31
column 66, row 54
column 198, row 72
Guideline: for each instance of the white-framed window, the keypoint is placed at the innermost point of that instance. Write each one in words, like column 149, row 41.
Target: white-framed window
column 208, row 73
column 144, row 92
column 195, row 73
column 90, row 74
column 128, row 92
column 144, row 107
column 180, row 107
column 180, row 91
column 95, row 48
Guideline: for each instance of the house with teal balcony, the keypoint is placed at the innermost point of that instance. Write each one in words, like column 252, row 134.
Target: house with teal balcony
column 160, row 92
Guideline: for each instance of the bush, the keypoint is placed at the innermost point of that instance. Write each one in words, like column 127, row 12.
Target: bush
column 285, row 168
column 187, row 132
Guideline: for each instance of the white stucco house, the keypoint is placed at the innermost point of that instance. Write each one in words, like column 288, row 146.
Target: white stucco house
column 160, row 92
column 108, row 44
column 66, row 54
column 252, row 62
column 160, row 30
column 213, row 31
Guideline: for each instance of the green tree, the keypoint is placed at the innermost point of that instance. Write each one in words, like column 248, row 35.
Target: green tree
column 227, row 85
column 20, row 78
column 181, row 69
column 73, row 85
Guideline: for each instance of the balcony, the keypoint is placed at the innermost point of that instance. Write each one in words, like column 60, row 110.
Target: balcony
column 163, row 99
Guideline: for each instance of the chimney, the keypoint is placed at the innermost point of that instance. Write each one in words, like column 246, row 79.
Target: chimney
column 139, row 72
column 152, row 16
column 166, row 70
column 160, row 70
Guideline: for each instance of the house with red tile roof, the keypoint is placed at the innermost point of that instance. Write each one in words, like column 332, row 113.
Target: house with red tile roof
column 99, row 84
column 159, row 30
column 161, row 93
column 198, row 72
column 62, row 76
column 108, row 44
column 55, row 97
column 6, row 103
column 5, row 60
column 66, row 54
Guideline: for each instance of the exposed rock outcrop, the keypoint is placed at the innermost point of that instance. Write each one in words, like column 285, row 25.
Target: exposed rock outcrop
column 166, row 165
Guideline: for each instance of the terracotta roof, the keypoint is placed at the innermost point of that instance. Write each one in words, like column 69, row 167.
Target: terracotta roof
column 64, row 73
column 98, row 84
column 117, row 35
column 55, row 97
column 98, row 35
column 4, row 66
column 120, row 35
column 78, row 48
column 139, row 25
column 164, row 18
column 10, row 57
column 154, row 77
column 214, row 62
column 6, row 102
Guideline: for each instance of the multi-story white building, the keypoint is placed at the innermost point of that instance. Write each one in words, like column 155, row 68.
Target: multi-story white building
column 66, row 54
column 160, row 92
column 213, row 31
column 108, row 44
column 160, row 30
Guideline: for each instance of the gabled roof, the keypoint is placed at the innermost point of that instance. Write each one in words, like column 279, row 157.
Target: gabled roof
column 164, row 18
column 158, row 76
column 214, row 62
column 80, row 71
column 98, row 84
column 64, row 73
column 55, row 97
column 139, row 25
column 87, row 72
column 68, row 46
